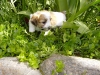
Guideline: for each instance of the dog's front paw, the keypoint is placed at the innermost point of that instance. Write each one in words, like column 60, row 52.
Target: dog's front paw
column 46, row 32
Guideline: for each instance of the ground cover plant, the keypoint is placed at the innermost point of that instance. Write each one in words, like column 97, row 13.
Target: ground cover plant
column 79, row 36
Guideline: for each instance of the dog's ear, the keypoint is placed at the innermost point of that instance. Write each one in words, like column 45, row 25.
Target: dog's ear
column 31, row 27
column 42, row 19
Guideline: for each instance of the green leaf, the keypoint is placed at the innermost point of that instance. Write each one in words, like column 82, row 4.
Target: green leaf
column 24, row 13
column 59, row 65
column 13, row 6
column 91, row 46
column 33, row 61
column 69, row 25
column 73, row 6
column 83, row 7
column 69, row 52
column 98, row 7
column 95, row 2
column 82, row 27
column 35, row 5
column 98, row 18
column 83, row 3
column 2, row 27
column 62, row 5
column 64, row 37
column 44, row 3
column 22, row 56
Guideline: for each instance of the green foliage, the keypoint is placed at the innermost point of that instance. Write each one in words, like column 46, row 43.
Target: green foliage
column 59, row 67
column 79, row 36
column 74, row 10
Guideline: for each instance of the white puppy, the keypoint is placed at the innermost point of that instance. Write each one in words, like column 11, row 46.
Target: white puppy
column 45, row 20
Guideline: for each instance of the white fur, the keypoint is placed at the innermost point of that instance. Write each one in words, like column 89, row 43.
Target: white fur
column 60, row 18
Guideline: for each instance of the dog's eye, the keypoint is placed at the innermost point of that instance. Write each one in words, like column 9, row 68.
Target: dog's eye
column 44, row 22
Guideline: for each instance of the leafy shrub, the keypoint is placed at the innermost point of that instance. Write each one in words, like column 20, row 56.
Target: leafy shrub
column 15, row 40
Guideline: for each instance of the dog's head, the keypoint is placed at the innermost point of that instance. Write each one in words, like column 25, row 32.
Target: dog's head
column 40, row 20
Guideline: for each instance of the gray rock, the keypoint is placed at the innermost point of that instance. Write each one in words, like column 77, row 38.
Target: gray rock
column 11, row 66
column 72, row 66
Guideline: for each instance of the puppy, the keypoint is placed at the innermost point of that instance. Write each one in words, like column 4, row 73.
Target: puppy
column 46, row 20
